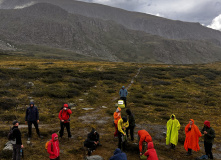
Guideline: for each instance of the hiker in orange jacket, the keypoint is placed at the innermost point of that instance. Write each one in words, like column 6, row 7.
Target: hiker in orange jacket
column 53, row 147
column 143, row 136
column 117, row 116
column 64, row 116
column 192, row 137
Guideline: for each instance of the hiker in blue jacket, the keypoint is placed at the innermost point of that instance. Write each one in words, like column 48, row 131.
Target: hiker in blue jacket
column 32, row 117
column 123, row 95
column 118, row 155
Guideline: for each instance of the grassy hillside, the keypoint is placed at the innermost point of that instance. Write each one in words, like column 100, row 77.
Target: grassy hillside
column 189, row 91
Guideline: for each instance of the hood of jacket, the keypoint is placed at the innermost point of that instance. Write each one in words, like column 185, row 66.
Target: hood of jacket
column 192, row 120
column 207, row 123
column 117, row 151
column 173, row 115
column 150, row 145
column 118, row 109
column 53, row 136
column 32, row 103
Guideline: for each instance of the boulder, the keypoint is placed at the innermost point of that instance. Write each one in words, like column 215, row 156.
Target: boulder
column 94, row 157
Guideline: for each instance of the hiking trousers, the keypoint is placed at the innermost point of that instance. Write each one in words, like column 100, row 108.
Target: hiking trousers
column 125, row 100
column 58, row 158
column 131, row 128
column 208, row 149
column 16, row 152
column 30, row 128
column 116, row 130
column 120, row 141
column 63, row 125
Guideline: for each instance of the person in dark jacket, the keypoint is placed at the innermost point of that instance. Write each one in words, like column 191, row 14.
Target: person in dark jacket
column 18, row 142
column 32, row 117
column 209, row 135
column 123, row 95
column 118, row 155
column 92, row 141
column 64, row 116
column 131, row 124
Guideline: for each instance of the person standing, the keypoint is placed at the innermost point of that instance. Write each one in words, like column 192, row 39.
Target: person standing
column 18, row 144
column 64, row 116
column 53, row 147
column 117, row 116
column 131, row 124
column 32, row 117
column 122, row 125
column 209, row 135
column 123, row 95
column 192, row 137
column 173, row 127
column 143, row 136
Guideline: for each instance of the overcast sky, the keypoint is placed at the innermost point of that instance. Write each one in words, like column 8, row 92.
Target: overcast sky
column 206, row 12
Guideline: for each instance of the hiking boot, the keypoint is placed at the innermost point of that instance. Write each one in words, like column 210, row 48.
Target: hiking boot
column 89, row 152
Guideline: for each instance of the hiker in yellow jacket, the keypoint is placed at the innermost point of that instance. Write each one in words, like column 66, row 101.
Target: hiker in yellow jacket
column 173, row 127
column 122, row 125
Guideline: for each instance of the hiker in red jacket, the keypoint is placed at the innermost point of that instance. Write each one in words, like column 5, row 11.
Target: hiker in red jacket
column 64, row 116
column 53, row 147
column 143, row 136
column 151, row 152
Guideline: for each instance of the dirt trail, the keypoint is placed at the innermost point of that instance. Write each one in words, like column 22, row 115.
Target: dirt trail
column 95, row 117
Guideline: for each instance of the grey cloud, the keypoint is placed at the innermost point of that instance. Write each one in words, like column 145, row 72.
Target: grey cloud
column 203, row 11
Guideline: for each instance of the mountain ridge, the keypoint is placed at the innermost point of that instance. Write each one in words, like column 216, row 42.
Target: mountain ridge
column 49, row 25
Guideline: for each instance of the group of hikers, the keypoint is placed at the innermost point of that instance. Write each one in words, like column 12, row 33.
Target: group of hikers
column 124, row 126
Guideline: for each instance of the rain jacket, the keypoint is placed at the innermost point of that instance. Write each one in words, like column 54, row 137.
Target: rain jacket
column 144, row 136
column 91, row 137
column 192, row 137
column 118, row 155
column 32, row 113
column 131, row 118
column 53, row 147
column 65, row 114
column 173, row 127
column 122, row 124
column 209, row 137
column 123, row 93
column 117, row 115
column 151, row 152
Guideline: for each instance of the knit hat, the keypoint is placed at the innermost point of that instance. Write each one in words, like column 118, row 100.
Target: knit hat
column 15, row 121
column 123, row 87
column 66, row 105
column 207, row 123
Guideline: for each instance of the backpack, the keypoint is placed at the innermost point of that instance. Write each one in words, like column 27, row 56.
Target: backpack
column 11, row 135
column 46, row 145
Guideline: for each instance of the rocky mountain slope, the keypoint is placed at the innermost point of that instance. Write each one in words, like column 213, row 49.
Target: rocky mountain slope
column 133, row 20
column 49, row 25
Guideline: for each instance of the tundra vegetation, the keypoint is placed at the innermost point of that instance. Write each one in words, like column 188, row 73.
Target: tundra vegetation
column 188, row 91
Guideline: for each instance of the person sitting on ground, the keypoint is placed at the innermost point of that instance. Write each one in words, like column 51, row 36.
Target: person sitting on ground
column 209, row 135
column 18, row 142
column 192, row 137
column 173, row 127
column 117, row 116
column 143, row 136
column 118, row 155
column 53, row 147
column 64, row 116
column 131, row 124
column 151, row 152
column 122, row 125
column 92, row 141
